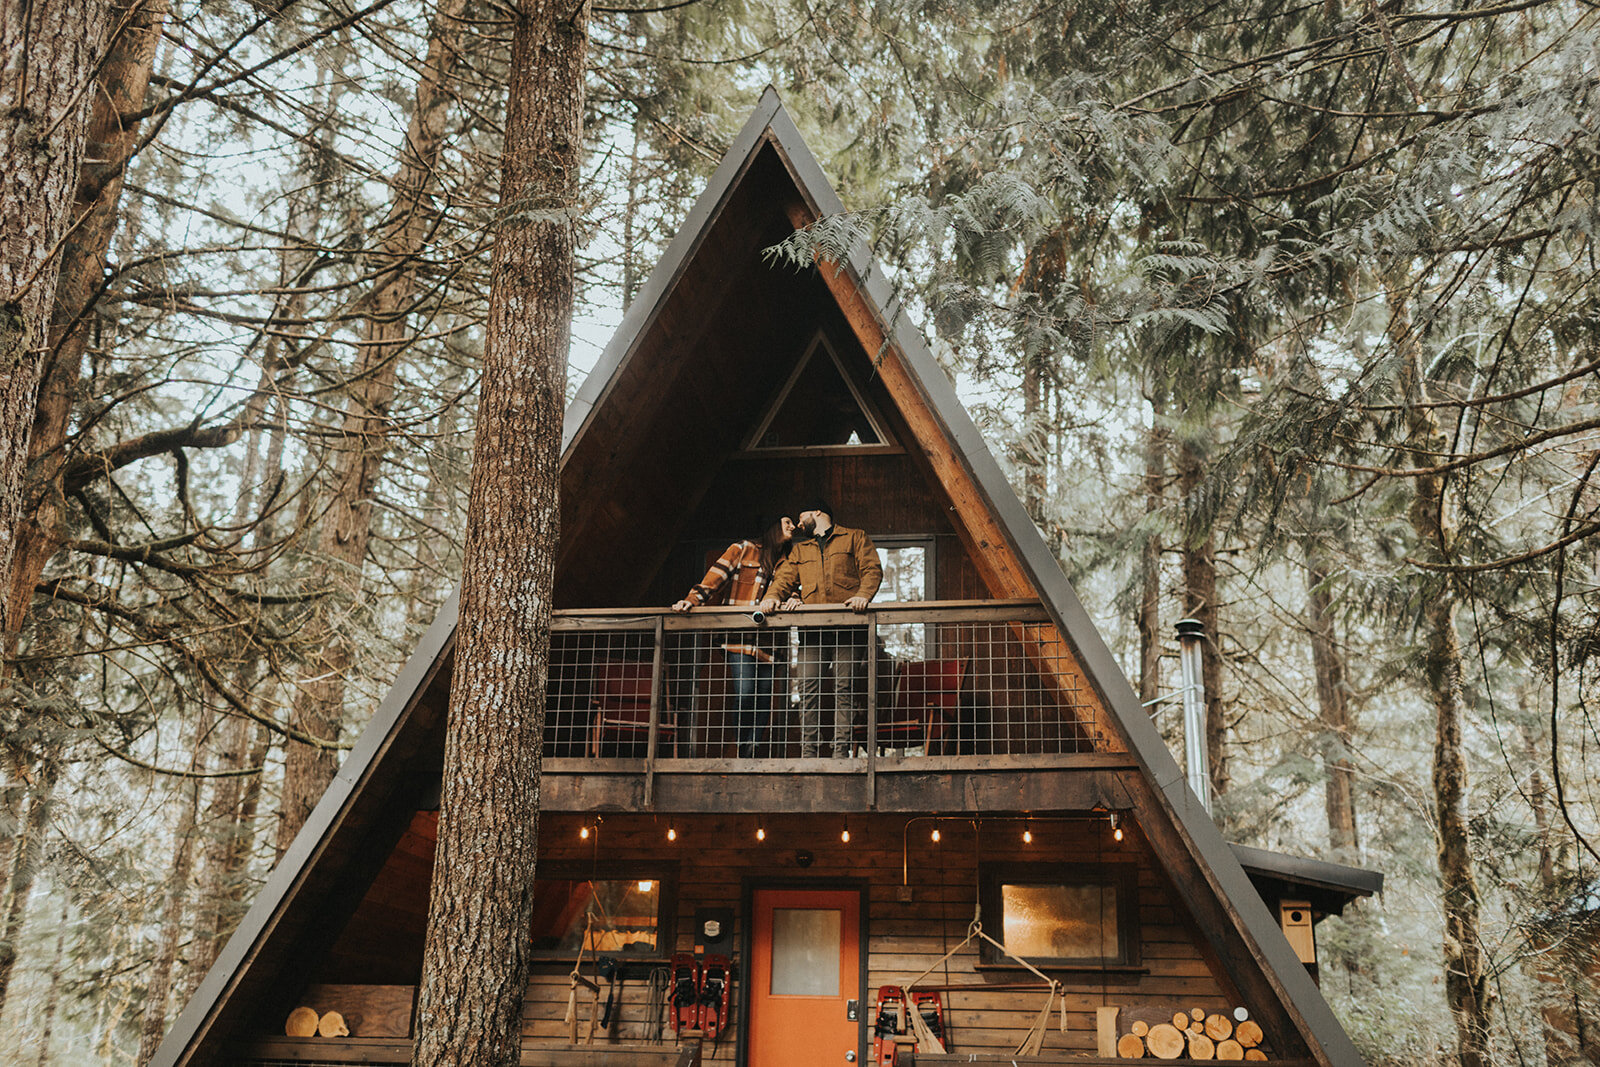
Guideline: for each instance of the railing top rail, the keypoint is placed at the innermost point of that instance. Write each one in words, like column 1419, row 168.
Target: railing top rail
column 724, row 618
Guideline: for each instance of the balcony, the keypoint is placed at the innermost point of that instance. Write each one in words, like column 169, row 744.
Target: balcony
column 639, row 698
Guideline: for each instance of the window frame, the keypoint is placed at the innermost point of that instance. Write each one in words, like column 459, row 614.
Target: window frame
column 664, row 873
column 1122, row 877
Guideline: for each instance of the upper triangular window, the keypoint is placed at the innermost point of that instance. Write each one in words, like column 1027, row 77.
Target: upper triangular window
column 819, row 407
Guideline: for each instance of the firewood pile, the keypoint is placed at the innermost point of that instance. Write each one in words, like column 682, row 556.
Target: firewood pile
column 1194, row 1035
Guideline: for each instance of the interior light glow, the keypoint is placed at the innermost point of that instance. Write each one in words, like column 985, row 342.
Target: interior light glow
column 645, row 885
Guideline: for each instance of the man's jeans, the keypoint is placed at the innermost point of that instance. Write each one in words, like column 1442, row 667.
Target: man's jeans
column 845, row 655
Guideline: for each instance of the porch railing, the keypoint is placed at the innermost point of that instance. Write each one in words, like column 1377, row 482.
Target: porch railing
column 948, row 678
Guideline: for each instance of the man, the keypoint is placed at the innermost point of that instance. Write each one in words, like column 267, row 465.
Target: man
column 836, row 565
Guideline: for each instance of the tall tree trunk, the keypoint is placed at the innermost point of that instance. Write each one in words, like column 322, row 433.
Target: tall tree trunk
column 1035, row 445
column 119, row 90
column 52, row 995
column 1155, row 475
column 25, row 868
column 1466, row 979
column 347, row 523
column 48, row 53
column 474, row 971
column 1333, row 701
column 1200, row 602
column 159, row 988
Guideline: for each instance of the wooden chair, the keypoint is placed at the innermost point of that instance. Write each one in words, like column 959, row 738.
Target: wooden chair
column 622, row 705
column 927, row 700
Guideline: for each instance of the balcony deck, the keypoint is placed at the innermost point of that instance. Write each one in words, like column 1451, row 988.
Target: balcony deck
column 968, row 705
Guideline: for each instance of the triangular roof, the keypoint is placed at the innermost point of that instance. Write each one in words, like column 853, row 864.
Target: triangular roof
column 397, row 756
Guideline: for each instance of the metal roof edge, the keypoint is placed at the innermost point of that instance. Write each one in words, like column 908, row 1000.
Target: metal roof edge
column 1356, row 881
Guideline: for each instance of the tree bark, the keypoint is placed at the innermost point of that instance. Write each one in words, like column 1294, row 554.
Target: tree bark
column 52, row 996
column 1333, row 702
column 48, row 54
column 159, row 989
column 347, row 524
column 1155, row 474
column 25, row 868
column 119, row 89
column 474, row 972
column 1466, row 978
column 1200, row 602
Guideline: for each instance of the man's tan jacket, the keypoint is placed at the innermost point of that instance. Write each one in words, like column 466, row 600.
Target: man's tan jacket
column 829, row 570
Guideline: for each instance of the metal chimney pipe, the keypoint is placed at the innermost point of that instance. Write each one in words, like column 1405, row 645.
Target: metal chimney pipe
column 1191, row 638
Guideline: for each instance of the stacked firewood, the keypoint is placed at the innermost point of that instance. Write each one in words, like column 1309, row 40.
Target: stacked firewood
column 1195, row 1035
column 307, row 1022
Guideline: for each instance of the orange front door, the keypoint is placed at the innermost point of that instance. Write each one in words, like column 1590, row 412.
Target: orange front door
column 805, row 968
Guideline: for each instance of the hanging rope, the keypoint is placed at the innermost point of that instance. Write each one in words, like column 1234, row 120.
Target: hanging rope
column 574, row 981
column 1034, row 1038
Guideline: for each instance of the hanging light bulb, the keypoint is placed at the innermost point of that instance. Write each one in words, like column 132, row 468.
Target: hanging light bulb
column 844, row 832
column 761, row 832
column 935, row 835
column 1116, row 830
column 1027, row 836
column 583, row 832
column 672, row 833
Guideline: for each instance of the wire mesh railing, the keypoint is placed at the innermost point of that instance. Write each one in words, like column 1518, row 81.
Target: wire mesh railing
column 916, row 679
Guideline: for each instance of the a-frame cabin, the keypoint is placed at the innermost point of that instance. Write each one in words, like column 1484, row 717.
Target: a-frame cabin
column 1000, row 766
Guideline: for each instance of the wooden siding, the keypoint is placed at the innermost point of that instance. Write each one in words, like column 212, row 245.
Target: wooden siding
column 717, row 860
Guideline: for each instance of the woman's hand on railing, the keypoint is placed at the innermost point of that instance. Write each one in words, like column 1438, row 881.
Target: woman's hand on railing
column 682, row 607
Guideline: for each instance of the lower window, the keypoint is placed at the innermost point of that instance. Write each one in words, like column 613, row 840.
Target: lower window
column 615, row 912
column 1062, row 915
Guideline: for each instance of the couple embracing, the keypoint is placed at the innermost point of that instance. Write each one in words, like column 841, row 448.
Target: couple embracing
column 811, row 561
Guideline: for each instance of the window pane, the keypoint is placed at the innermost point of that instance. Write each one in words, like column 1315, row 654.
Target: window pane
column 805, row 952
column 1060, row 921
column 616, row 915
column 905, row 579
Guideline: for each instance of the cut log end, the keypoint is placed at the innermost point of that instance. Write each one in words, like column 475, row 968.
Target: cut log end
column 1230, row 1050
column 302, row 1022
column 1166, row 1041
column 1201, row 1047
column 1130, row 1047
column 1139, row 1028
column 332, row 1025
column 1219, row 1027
column 1255, row 1054
column 1249, row 1033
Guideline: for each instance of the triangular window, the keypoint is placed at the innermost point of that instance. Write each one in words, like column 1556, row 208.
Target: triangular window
column 819, row 407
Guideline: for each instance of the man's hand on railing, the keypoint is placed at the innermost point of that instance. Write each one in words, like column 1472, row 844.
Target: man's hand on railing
column 857, row 604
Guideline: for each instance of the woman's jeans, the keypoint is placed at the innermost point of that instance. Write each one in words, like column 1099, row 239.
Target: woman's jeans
column 752, row 700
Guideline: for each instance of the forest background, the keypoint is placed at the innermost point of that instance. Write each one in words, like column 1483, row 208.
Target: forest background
column 1279, row 314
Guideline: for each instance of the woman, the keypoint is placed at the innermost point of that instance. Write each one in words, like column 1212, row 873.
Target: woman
column 741, row 576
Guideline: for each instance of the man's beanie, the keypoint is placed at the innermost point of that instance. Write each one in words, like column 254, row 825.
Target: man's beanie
column 819, row 504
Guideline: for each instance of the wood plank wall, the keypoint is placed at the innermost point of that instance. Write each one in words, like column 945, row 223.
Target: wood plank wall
column 715, row 856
